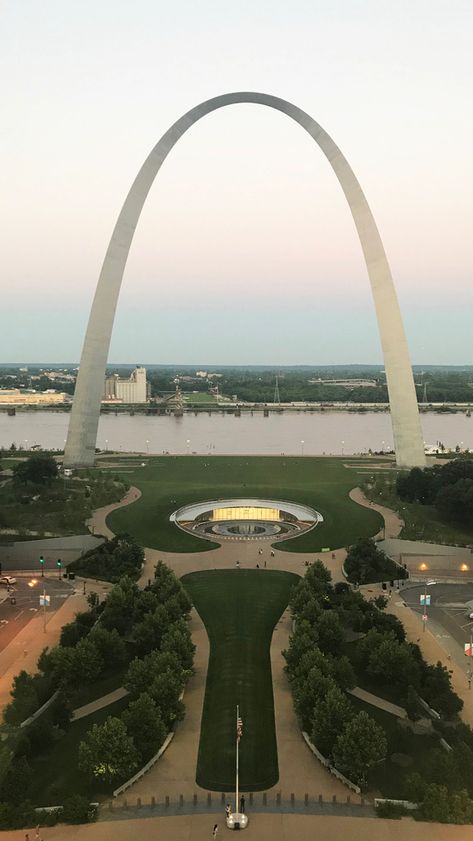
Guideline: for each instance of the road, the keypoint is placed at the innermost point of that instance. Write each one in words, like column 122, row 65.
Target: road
column 449, row 608
column 14, row 617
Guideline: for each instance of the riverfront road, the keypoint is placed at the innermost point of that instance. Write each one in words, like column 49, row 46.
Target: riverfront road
column 14, row 617
column 449, row 609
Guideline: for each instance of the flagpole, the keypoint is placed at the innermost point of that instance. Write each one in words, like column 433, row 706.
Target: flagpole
column 237, row 807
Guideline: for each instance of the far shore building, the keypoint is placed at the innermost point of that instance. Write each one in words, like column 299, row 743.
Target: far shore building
column 132, row 389
column 17, row 397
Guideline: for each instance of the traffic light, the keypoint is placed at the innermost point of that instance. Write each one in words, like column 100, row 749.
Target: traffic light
column 41, row 563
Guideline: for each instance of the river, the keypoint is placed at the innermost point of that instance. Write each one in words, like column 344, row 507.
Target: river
column 299, row 433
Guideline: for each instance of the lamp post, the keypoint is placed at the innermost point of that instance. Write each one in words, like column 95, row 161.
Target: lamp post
column 188, row 444
column 106, row 445
column 343, row 447
column 43, row 600
column 302, row 448
column 147, row 446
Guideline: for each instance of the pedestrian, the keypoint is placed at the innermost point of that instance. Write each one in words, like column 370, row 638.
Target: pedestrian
column 27, row 837
column 228, row 810
column 272, row 553
column 265, row 564
column 242, row 804
column 215, row 830
column 36, row 835
column 257, row 566
column 238, row 564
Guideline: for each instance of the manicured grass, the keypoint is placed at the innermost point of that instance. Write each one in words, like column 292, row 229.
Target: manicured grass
column 55, row 774
column 240, row 609
column 172, row 481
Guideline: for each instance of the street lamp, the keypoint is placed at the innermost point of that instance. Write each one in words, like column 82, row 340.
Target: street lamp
column 147, row 446
column 343, row 447
column 188, row 443
column 26, row 443
column 106, row 444
column 302, row 448
column 43, row 600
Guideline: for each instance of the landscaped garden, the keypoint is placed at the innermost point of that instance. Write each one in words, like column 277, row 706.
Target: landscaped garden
column 37, row 500
column 240, row 609
column 138, row 639
column 168, row 482
column 341, row 641
column 436, row 503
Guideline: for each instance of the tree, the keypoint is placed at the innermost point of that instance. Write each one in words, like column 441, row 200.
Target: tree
column 330, row 632
column 87, row 663
column 119, row 606
column 141, row 672
column 24, row 698
column 109, row 645
column 361, row 744
column 148, row 633
column 145, row 725
column 304, row 638
column 165, row 691
column 309, row 693
column 166, row 585
column 331, row 715
column 178, row 640
column 38, row 469
column 108, row 753
column 365, row 563
column 437, row 690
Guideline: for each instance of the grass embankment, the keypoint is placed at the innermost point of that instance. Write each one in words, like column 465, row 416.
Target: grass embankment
column 239, row 609
column 169, row 482
column 422, row 522
column 55, row 775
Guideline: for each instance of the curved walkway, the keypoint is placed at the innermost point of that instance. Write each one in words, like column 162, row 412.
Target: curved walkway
column 98, row 521
column 393, row 524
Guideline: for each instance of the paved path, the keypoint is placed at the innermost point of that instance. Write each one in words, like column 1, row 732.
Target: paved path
column 99, row 703
column 261, row 827
column 98, row 521
column 393, row 524
column 376, row 701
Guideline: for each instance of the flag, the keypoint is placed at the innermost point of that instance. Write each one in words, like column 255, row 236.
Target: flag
column 239, row 728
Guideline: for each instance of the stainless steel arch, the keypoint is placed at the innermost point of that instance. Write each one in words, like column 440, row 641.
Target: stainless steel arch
column 82, row 434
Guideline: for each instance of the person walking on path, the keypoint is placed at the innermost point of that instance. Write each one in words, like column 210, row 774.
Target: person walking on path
column 215, row 830
column 242, row 804
column 238, row 564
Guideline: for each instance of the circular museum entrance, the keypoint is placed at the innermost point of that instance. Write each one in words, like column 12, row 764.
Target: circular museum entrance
column 246, row 519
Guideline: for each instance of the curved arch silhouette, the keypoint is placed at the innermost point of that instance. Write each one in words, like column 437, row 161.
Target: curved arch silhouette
column 82, row 434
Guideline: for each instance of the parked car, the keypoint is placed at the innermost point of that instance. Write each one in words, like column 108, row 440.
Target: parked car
column 7, row 580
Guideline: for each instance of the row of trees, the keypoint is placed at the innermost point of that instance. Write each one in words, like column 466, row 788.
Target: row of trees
column 449, row 488
column 320, row 675
column 380, row 659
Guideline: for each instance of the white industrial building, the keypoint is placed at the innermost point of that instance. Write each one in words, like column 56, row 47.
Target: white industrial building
column 132, row 389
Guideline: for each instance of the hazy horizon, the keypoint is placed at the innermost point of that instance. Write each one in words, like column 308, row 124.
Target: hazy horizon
column 246, row 248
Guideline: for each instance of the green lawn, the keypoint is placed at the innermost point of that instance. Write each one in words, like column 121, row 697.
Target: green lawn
column 172, row 481
column 240, row 609
column 55, row 774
